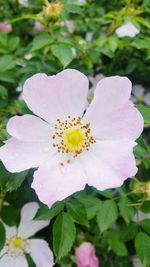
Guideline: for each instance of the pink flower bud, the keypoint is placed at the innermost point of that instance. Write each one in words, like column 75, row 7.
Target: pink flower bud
column 38, row 26
column 5, row 27
column 85, row 255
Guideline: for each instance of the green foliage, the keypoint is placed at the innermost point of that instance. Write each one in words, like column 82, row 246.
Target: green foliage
column 44, row 213
column 145, row 111
column 142, row 245
column 77, row 212
column 119, row 248
column 107, row 215
column 9, row 215
column 63, row 53
column 126, row 210
column 146, row 225
column 2, row 236
column 63, row 234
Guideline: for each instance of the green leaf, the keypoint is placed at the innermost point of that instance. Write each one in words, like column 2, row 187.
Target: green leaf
column 44, row 213
column 7, row 63
column 77, row 212
column 91, row 205
column 107, row 214
column 3, row 39
column 126, row 211
column 128, row 231
column 145, row 111
column 119, row 248
column 11, row 181
column 146, row 225
column 2, row 236
column 13, row 43
column 142, row 245
column 7, row 76
column 141, row 43
column 41, row 41
column 9, row 215
column 3, row 92
column 63, row 235
column 63, row 53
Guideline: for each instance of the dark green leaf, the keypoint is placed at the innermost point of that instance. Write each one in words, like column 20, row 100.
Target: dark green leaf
column 63, row 235
column 142, row 245
column 126, row 211
column 128, row 231
column 41, row 41
column 91, row 204
column 119, row 248
column 107, row 214
column 7, row 63
column 146, row 225
column 63, row 53
column 2, row 236
column 145, row 111
column 9, row 215
column 44, row 213
column 77, row 211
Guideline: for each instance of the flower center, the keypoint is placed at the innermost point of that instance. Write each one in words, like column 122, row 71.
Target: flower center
column 17, row 243
column 72, row 136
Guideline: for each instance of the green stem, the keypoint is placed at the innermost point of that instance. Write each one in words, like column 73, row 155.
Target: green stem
column 2, row 196
column 34, row 17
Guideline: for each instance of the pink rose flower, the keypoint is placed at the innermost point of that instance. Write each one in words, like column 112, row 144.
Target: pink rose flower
column 85, row 255
column 71, row 147
column 7, row 28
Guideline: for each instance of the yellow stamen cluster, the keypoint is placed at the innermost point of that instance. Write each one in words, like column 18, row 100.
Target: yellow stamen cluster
column 53, row 10
column 72, row 136
column 142, row 188
column 17, row 242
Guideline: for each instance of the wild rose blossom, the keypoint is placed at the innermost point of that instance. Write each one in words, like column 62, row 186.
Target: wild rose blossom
column 85, row 255
column 19, row 243
column 71, row 147
column 127, row 29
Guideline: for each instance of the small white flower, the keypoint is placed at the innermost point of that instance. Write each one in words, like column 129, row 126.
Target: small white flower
column 127, row 29
column 136, row 262
column 89, row 36
column 139, row 95
column 81, row 2
column 139, row 216
column 74, row 52
column 24, row 3
column 28, row 56
column 18, row 242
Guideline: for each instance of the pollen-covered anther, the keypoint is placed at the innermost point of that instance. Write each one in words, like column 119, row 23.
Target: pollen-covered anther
column 72, row 136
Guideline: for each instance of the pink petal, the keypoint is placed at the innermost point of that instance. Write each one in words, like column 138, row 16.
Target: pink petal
column 85, row 255
column 111, row 114
column 41, row 253
column 29, row 128
column 18, row 156
column 57, row 96
column 58, row 182
column 109, row 163
column 29, row 210
column 19, row 261
column 28, row 226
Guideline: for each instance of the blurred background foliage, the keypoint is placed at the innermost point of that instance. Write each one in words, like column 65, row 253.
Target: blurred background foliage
column 48, row 37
